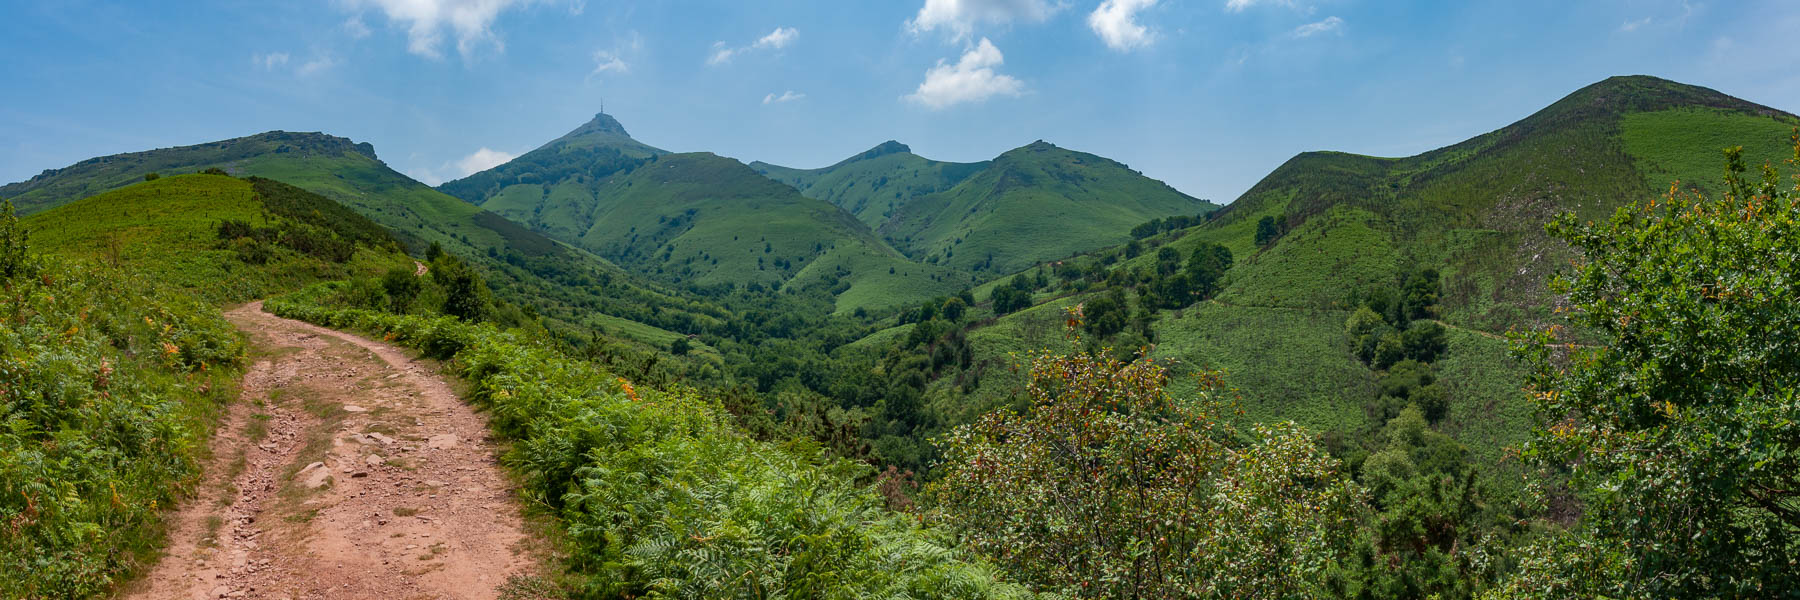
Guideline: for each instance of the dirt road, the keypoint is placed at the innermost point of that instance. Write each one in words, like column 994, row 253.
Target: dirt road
column 346, row 470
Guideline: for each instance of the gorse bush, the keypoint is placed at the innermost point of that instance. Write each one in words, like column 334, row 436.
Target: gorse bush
column 661, row 495
column 1112, row 488
column 108, row 387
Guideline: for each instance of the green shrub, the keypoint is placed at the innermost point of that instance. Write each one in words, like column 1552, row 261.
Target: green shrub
column 108, row 387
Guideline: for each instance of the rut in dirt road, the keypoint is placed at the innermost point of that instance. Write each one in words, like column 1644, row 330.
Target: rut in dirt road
column 346, row 470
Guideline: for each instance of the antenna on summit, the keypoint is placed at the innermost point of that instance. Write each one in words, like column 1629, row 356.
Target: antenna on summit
column 603, row 106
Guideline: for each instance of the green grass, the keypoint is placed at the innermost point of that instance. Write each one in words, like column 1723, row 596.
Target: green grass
column 876, row 184
column 1672, row 145
column 1033, row 204
column 168, row 229
column 1323, row 264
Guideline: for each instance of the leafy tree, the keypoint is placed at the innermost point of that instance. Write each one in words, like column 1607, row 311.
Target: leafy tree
column 151, row 176
column 1681, row 429
column 953, row 309
column 1420, row 295
column 1111, row 488
column 1106, row 315
column 681, row 346
column 1206, row 267
column 402, row 287
column 466, row 296
column 1266, row 231
column 1009, row 299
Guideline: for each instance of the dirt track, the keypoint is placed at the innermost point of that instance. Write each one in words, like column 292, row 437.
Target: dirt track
column 346, row 470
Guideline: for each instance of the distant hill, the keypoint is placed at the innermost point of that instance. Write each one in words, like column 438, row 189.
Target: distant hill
column 697, row 220
column 876, row 184
column 1033, row 204
column 568, row 285
column 552, row 187
column 174, row 229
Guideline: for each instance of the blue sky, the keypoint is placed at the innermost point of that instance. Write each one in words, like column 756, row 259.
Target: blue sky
column 1208, row 95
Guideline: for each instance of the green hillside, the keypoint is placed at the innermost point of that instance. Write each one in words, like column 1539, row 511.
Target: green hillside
column 552, row 188
column 1033, row 204
column 1350, row 226
column 173, row 229
column 876, row 184
column 1476, row 210
column 575, row 289
column 697, row 221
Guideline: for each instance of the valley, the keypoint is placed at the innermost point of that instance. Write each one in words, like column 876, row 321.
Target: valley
column 698, row 374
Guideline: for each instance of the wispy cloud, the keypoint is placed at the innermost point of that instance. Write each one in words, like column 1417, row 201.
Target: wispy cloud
column 1329, row 25
column 960, row 17
column 1115, row 21
column 971, row 79
column 1630, row 26
column 428, row 22
column 776, row 40
column 268, row 62
column 1240, row 5
column 315, row 66
column 787, row 96
column 617, row 59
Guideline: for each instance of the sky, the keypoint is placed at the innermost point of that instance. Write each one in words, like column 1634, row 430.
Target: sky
column 1206, row 95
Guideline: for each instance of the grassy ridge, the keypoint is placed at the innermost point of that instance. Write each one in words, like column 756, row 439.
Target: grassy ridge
column 876, row 184
column 109, row 386
column 1033, row 204
column 168, row 229
column 661, row 495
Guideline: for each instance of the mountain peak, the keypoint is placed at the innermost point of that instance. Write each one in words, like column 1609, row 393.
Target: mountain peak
column 884, row 149
column 601, row 123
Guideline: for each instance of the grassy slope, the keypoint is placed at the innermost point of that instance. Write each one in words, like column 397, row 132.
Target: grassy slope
column 702, row 219
column 1033, row 204
column 876, row 184
column 574, row 288
column 168, row 229
column 1474, row 210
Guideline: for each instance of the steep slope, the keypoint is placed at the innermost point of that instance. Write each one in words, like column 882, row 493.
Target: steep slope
column 1475, row 211
column 174, row 229
column 705, row 220
column 570, row 286
column 697, row 220
column 1033, row 204
column 552, row 188
column 876, row 184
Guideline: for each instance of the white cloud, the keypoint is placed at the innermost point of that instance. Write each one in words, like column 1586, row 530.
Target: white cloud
column 1115, row 21
column 776, row 40
column 315, row 65
column 787, row 96
column 1240, row 5
column 476, row 162
column 607, row 61
column 1630, row 26
column 269, row 61
column 971, row 79
column 428, row 21
column 959, row 17
column 482, row 160
column 1330, row 24
column 355, row 27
